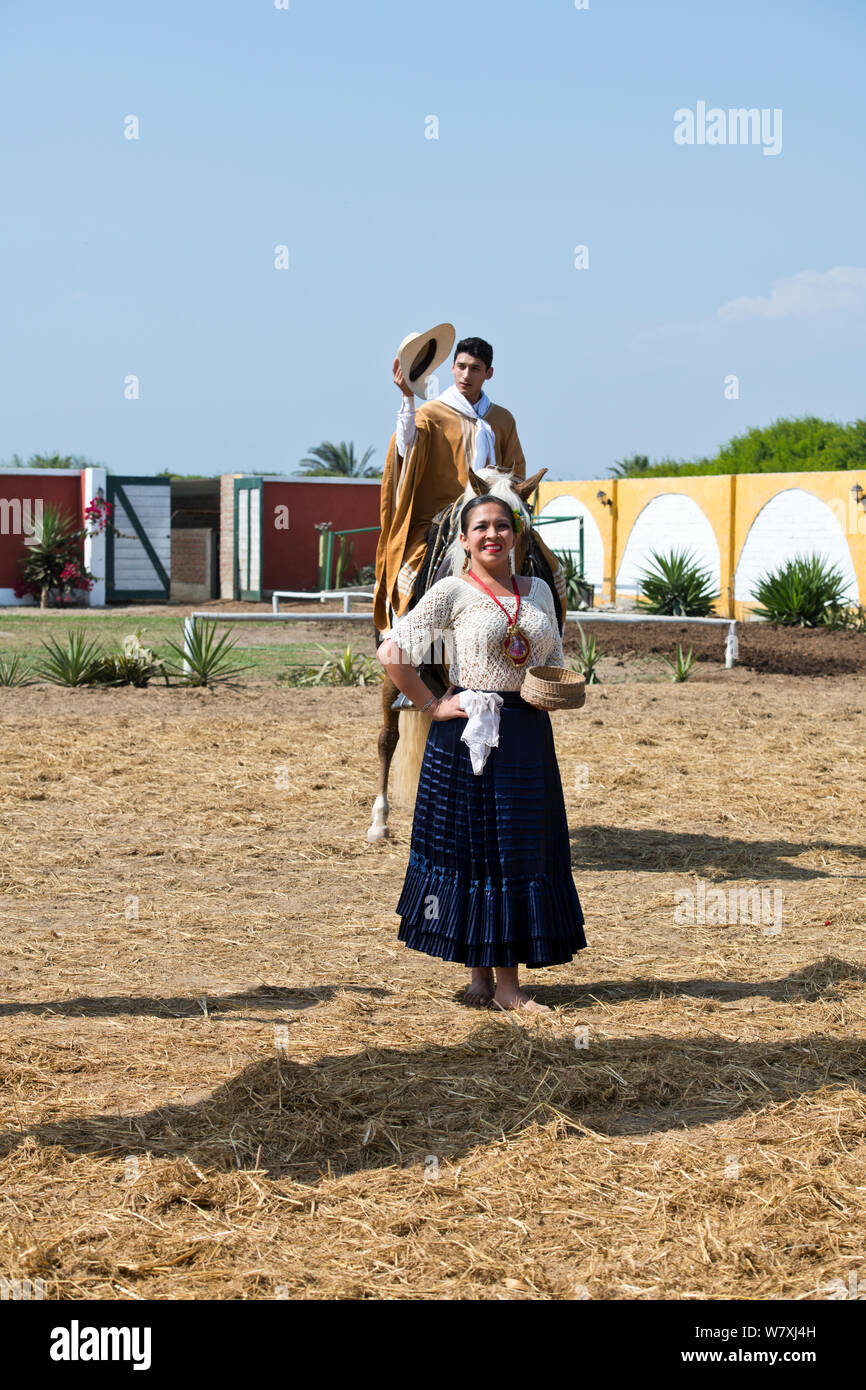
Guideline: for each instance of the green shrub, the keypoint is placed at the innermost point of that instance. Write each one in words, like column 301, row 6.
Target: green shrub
column 589, row 653
column 850, row 619
column 681, row 667
column 350, row 668
column 364, row 576
column 806, row 444
column 134, row 664
column 52, row 564
column 13, row 671
column 71, row 664
column 577, row 591
column 800, row 592
column 675, row 585
column 207, row 661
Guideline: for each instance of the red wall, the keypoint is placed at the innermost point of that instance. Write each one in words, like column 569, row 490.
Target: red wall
column 290, row 558
column 61, row 490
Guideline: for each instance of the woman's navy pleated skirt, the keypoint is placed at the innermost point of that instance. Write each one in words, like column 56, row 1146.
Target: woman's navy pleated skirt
column 489, row 879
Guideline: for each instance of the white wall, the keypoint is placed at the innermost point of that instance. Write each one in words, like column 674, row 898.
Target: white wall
column 94, row 545
column 565, row 535
column 794, row 522
column 669, row 522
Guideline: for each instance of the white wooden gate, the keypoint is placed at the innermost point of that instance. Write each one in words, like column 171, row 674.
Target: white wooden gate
column 138, row 563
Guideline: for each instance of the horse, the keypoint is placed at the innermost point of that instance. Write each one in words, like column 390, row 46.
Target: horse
column 444, row 556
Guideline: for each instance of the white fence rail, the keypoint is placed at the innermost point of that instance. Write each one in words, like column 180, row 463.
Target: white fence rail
column 731, row 642
column 732, row 645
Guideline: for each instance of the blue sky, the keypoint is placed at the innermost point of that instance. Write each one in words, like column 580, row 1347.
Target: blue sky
column 306, row 128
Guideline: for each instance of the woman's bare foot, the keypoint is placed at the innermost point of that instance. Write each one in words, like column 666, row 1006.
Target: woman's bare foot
column 511, row 997
column 480, row 991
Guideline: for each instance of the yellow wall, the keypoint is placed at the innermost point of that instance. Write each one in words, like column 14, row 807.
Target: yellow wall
column 730, row 502
column 585, row 491
column 754, row 491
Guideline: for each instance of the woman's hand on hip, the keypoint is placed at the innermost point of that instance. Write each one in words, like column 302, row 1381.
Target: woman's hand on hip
column 448, row 707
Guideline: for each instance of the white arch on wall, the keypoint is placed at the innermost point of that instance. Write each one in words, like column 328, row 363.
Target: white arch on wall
column 671, row 521
column 794, row 522
column 565, row 535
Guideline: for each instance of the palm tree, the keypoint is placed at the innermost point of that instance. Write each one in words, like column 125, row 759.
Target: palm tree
column 338, row 461
column 634, row 467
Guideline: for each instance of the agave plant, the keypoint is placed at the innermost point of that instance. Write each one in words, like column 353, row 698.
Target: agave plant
column 677, row 586
column 71, row 664
column 586, row 660
column 850, row 619
column 577, row 591
column 350, row 668
column 134, row 664
column 681, row 667
column 204, row 660
column 365, row 575
column 800, row 592
column 13, row 671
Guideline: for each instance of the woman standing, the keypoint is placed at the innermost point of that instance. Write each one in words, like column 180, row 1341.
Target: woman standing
column 489, row 878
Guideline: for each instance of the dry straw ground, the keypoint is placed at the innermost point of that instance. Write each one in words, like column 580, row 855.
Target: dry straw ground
column 251, row 1090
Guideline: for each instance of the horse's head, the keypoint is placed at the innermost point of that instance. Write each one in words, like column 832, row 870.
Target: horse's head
column 514, row 491
column 501, row 484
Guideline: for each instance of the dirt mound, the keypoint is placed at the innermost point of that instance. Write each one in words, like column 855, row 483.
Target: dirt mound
column 788, row 651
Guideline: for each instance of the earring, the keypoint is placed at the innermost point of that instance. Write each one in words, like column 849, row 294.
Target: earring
column 465, row 562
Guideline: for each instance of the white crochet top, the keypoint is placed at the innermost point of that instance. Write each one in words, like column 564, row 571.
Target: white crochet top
column 467, row 631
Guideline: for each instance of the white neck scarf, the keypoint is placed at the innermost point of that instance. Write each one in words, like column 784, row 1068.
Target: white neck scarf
column 485, row 440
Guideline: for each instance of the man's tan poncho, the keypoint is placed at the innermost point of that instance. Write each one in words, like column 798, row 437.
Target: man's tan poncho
column 432, row 475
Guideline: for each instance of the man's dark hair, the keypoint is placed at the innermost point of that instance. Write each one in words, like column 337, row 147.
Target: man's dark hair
column 476, row 347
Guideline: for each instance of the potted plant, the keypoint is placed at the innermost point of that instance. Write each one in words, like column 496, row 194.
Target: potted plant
column 52, row 563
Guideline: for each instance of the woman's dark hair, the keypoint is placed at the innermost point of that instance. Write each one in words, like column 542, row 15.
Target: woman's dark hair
column 476, row 347
column 479, row 501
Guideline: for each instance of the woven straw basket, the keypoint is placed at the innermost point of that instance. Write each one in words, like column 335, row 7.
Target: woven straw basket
column 553, row 687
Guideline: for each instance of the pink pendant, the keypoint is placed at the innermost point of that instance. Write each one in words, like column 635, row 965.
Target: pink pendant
column 516, row 647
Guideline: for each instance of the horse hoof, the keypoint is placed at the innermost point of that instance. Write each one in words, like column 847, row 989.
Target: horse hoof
column 377, row 832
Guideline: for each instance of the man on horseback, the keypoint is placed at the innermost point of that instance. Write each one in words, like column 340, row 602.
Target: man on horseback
column 457, row 444
column 428, row 464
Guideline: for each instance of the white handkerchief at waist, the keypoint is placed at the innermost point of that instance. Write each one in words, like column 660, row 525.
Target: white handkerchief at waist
column 482, row 727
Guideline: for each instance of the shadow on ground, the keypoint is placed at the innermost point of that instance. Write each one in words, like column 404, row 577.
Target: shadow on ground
column 384, row 1106
column 609, row 849
column 812, row 982
column 187, row 1006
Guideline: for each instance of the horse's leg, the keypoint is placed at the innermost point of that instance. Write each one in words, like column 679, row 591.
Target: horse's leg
column 388, row 736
